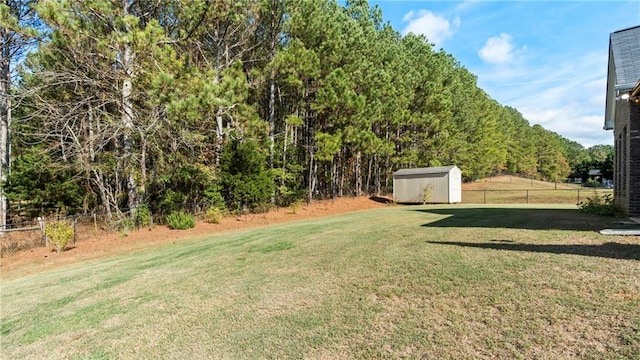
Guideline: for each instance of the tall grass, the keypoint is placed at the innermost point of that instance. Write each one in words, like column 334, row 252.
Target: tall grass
column 446, row 282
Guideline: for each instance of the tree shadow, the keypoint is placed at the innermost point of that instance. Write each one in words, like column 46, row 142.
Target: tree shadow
column 520, row 218
column 609, row 250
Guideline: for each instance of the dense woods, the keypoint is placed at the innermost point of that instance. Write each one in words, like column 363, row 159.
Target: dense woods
column 242, row 104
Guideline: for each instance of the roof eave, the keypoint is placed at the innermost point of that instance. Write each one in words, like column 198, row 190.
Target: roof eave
column 610, row 106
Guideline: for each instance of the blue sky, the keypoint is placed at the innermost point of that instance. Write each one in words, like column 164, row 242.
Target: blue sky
column 548, row 59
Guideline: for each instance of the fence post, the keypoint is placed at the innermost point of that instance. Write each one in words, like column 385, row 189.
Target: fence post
column 44, row 232
column 485, row 196
column 75, row 223
column 527, row 196
column 578, row 197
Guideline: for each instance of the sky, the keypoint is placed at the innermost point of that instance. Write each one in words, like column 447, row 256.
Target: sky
column 548, row 59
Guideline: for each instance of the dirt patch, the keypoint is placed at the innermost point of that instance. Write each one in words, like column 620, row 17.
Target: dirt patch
column 22, row 263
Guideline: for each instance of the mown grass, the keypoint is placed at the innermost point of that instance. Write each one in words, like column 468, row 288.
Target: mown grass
column 516, row 190
column 440, row 282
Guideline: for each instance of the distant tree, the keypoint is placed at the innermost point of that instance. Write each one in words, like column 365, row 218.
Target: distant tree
column 18, row 24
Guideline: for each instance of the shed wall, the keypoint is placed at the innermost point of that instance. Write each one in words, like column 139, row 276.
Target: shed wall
column 455, row 185
column 411, row 188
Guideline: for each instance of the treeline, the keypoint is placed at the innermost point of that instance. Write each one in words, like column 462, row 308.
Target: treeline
column 243, row 104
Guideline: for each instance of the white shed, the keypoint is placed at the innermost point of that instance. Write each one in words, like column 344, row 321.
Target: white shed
column 441, row 184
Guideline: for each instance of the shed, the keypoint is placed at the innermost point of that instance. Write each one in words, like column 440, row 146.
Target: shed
column 441, row 184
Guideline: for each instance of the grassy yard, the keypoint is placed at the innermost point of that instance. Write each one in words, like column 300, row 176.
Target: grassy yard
column 517, row 190
column 456, row 282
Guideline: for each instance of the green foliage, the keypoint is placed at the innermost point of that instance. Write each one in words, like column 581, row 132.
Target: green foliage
column 35, row 178
column 59, row 234
column 592, row 183
column 186, row 185
column 288, row 184
column 142, row 216
column 294, row 206
column 180, row 220
column 245, row 181
column 214, row 215
column 599, row 205
column 332, row 103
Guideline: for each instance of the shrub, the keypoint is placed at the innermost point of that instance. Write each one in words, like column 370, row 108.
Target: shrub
column 599, row 205
column 142, row 216
column 179, row 220
column 214, row 215
column 592, row 183
column 58, row 234
column 295, row 206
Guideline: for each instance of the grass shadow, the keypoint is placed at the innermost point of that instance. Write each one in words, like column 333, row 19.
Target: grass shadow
column 609, row 250
column 519, row 218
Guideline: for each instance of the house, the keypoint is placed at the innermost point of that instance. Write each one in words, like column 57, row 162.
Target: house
column 441, row 184
column 622, row 115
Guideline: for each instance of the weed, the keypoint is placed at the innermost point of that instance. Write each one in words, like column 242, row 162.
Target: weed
column 214, row 215
column 599, row 205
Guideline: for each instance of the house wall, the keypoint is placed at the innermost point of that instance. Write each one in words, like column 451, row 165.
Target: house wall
column 621, row 138
column 627, row 172
column 634, row 159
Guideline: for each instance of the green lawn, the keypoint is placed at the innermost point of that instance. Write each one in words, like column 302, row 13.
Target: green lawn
column 457, row 282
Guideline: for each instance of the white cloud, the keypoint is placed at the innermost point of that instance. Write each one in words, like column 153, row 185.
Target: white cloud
column 570, row 122
column 498, row 50
column 564, row 94
column 436, row 28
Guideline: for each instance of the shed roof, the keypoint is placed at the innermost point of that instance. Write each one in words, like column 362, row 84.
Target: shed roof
column 428, row 170
column 624, row 67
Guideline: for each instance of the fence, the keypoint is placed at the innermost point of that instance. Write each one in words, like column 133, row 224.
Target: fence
column 23, row 235
column 533, row 196
column 26, row 234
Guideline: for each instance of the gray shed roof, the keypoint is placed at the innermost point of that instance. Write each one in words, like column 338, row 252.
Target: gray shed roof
column 624, row 68
column 428, row 170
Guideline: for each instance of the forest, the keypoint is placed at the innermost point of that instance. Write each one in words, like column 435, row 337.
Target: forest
column 111, row 105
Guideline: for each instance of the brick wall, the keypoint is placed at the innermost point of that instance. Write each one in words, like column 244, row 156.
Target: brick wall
column 634, row 158
column 621, row 170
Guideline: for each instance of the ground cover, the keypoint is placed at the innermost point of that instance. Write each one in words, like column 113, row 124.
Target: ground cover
column 454, row 281
column 516, row 190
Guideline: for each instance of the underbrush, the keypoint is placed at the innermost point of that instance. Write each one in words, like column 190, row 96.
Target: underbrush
column 11, row 243
column 599, row 205
column 180, row 220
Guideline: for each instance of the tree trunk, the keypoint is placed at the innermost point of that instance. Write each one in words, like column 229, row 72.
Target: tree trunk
column 272, row 116
column 358, row 171
column 5, row 122
column 127, row 57
column 313, row 175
